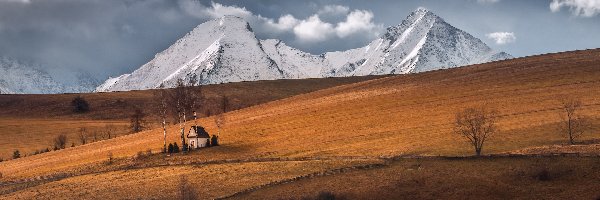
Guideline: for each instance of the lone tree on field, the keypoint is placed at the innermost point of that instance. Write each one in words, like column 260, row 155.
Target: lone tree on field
column 80, row 105
column 137, row 122
column 60, row 141
column 572, row 124
column 476, row 124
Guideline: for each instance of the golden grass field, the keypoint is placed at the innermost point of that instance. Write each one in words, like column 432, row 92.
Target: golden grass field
column 387, row 117
column 48, row 116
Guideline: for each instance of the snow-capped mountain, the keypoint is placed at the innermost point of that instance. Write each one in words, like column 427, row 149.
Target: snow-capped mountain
column 18, row 77
column 226, row 50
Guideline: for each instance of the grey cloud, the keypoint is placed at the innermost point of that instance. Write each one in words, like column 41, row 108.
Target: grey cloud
column 110, row 37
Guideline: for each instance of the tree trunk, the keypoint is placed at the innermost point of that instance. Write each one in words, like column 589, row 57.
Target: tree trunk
column 478, row 151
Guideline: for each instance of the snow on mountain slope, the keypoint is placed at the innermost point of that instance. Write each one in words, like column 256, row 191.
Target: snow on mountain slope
column 226, row 50
column 422, row 42
column 218, row 51
column 19, row 78
column 293, row 62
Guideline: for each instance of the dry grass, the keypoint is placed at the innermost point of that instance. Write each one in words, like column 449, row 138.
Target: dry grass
column 30, row 122
column 38, row 134
column 485, row 178
column 400, row 115
column 208, row 181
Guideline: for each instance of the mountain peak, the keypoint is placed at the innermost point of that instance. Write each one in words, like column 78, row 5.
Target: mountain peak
column 226, row 50
column 421, row 10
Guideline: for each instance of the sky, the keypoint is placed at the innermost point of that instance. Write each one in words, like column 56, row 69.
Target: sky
column 112, row 37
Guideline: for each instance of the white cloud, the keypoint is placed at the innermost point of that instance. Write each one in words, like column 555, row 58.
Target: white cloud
column 219, row 10
column 584, row 8
column 284, row 23
column 310, row 29
column 358, row 21
column 216, row 10
column 313, row 29
column 334, row 10
column 487, row 1
column 502, row 37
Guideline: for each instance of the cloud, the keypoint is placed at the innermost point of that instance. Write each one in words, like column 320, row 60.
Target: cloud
column 284, row 23
column 487, row 1
column 584, row 8
column 502, row 37
column 334, row 10
column 313, row 29
column 216, row 10
column 16, row 1
column 358, row 21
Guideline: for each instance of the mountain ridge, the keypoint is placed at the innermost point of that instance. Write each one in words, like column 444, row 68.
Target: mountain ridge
column 227, row 50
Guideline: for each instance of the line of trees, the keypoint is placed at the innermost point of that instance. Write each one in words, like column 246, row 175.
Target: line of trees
column 178, row 103
column 478, row 124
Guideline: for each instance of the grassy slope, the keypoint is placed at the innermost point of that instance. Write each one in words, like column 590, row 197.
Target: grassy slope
column 498, row 178
column 30, row 122
column 398, row 115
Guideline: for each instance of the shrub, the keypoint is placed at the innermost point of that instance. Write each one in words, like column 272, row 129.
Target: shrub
column 214, row 140
column 60, row 142
column 543, row 175
column 175, row 148
column 110, row 157
column 148, row 152
column 170, row 148
column 139, row 155
column 80, row 105
column 326, row 196
column 137, row 122
column 16, row 154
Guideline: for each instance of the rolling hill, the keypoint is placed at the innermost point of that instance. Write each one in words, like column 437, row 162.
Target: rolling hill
column 369, row 121
column 29, row 122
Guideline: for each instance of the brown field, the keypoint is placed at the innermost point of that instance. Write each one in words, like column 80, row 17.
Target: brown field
column 381, row 118
column 484, row 178
column 30, row 122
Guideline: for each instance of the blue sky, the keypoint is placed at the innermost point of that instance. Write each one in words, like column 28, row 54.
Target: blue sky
column 110, row 37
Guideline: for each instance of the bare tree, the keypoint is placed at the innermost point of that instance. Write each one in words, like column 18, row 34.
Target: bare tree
column 60, row 141
column 109, row 130
column 476, row 125
column 82, row 135
column 220, row 119
column 185, row 97
column 95, row 135
column 161, row 96
column 137, row 122
column 572, row 124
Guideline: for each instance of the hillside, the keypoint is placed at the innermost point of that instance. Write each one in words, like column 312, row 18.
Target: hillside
column 30, row 122
column 375, row 119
